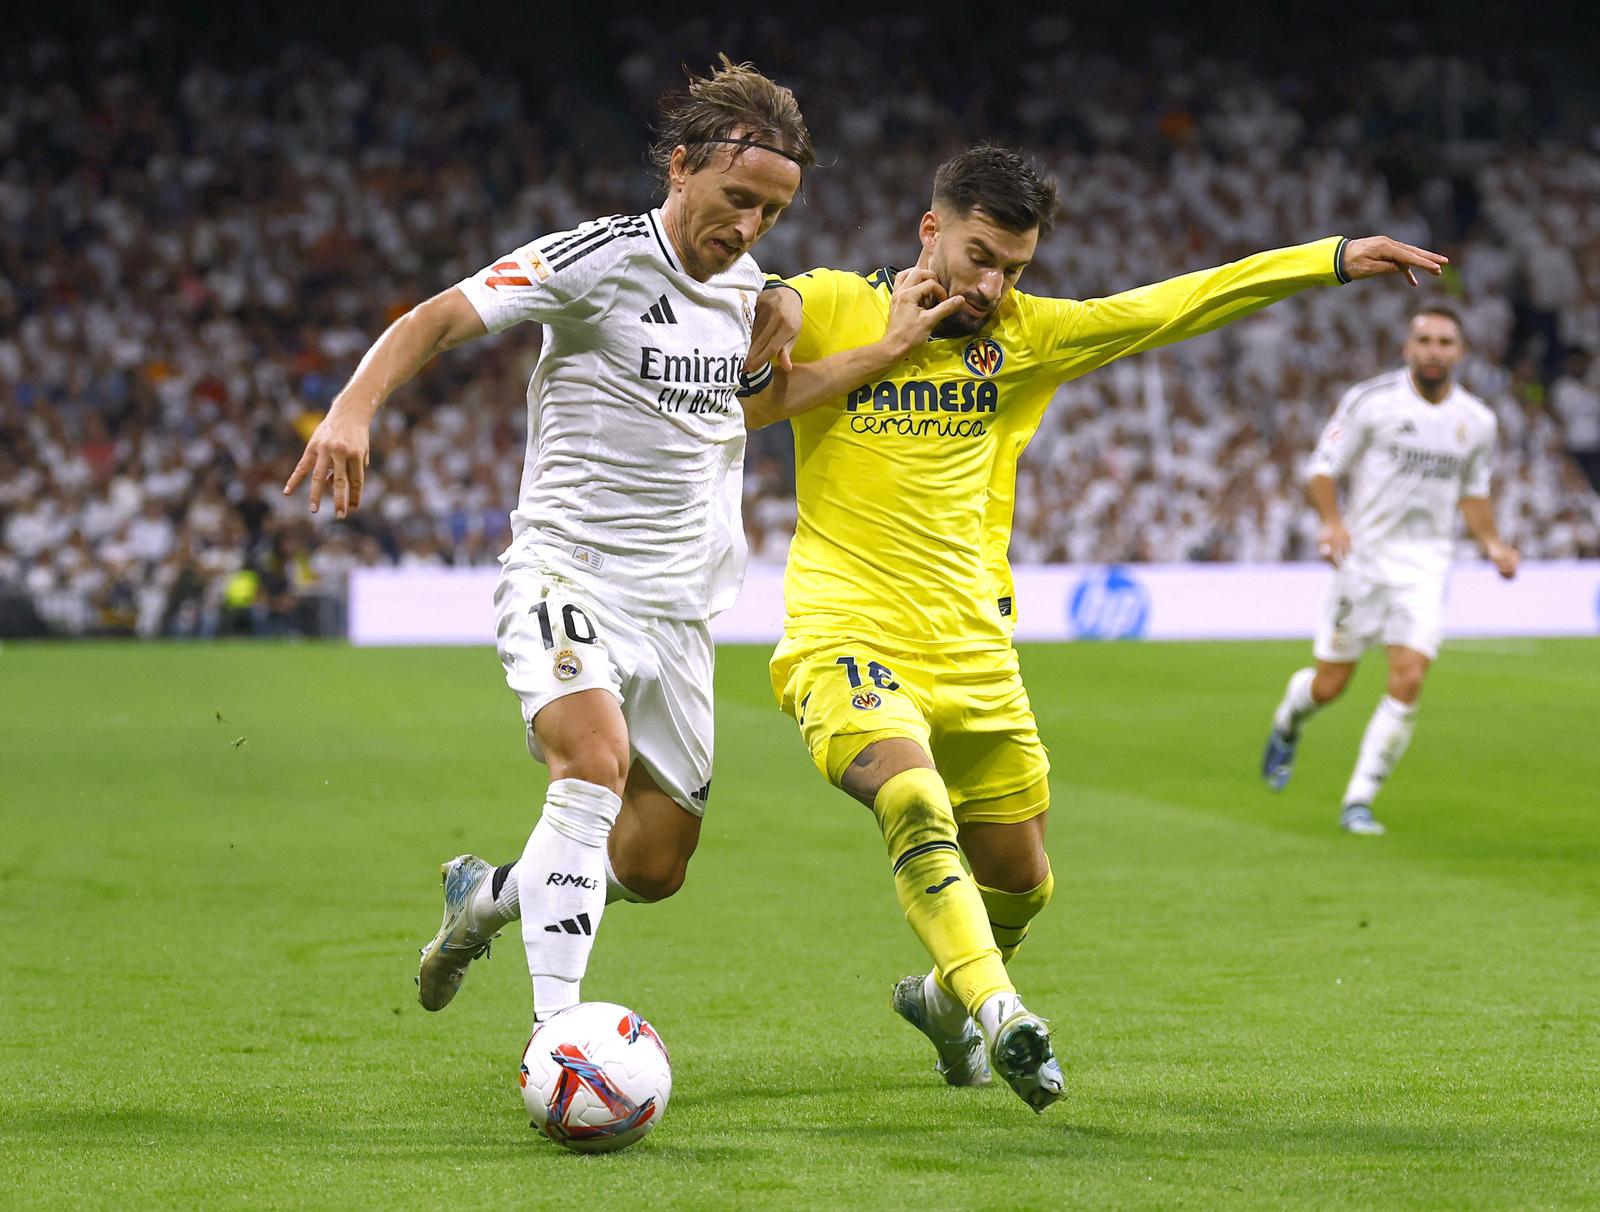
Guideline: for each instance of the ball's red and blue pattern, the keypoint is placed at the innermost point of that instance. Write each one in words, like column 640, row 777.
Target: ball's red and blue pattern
column 596, row 1077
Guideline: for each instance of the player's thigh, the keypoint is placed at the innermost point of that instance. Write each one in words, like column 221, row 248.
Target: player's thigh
column 985, row 739
column 654, row 838
column 1352, row 618
column 1415, row 621
column 669, row 707
column 565, row 657
column 850, row 698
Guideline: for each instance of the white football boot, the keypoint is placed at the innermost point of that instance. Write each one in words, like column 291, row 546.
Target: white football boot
column 1022, row 1055
column 961, row 1057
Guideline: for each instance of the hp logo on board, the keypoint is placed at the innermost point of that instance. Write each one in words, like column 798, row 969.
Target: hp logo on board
column 1109, row 604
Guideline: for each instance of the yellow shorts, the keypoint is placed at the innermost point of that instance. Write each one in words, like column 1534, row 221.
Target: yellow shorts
column 970, row 712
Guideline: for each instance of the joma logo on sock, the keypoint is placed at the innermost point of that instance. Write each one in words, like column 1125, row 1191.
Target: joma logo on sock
column 562, row 880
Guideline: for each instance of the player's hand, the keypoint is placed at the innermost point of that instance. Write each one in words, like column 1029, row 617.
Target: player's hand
column 337, row 454
column 1505, row 558
column 779, row 314
column 918, row 305
column 1374, row 256
column 1333, row 543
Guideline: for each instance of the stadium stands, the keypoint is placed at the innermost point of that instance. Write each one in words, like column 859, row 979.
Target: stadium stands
column 191, row 261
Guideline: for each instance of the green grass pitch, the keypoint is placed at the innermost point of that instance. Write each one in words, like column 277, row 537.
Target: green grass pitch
column 211, row 930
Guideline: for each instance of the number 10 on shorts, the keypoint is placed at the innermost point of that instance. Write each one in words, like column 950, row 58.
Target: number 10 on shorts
column 577, row 625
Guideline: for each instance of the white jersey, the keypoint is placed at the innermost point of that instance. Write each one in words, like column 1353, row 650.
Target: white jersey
column 1408, row 462
column 635, row 458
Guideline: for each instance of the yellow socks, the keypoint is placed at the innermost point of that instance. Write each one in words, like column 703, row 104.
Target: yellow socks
column 1010, row 912
column 939, row 898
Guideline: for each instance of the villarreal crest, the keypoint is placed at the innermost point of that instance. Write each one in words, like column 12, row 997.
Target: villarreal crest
column 983, row 356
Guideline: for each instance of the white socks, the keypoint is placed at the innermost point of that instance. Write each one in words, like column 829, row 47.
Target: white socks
column 561, row 888
column 994, row 1011
column 945, row 1011
column 1297, row 705
column 1388, row 733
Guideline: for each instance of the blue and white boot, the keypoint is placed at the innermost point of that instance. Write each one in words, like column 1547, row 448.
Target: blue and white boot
column 1357, row 818
column 459, row 942
column 1277, row 763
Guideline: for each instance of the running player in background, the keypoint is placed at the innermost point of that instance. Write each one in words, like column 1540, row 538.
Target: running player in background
column 1412, row 445
column 897, row 660
column 627, row 537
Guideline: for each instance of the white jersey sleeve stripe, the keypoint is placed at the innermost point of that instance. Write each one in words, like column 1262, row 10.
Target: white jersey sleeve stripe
column 555, row 280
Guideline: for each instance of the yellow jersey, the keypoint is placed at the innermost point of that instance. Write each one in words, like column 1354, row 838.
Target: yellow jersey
column 906, row 486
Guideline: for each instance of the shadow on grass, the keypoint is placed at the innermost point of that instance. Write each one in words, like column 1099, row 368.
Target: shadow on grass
column 976, row 1130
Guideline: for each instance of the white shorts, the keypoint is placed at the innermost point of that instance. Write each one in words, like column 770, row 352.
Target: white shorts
column 557, row 635
column 1360, row 613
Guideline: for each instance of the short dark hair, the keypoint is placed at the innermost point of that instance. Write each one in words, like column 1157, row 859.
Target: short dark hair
column 1441, row 309
column 734, row 98
column 1007, row 187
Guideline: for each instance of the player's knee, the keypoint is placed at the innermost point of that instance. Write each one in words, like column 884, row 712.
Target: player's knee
column 1405, row 684
column 1329, row 684
column 603, row 764
column 1022, row 873
column 657, row 877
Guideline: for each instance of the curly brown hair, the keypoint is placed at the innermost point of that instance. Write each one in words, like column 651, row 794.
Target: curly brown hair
column 734, row 103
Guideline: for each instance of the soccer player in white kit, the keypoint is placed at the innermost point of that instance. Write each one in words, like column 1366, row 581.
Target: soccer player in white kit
column 627, row 535
column 1413, row 446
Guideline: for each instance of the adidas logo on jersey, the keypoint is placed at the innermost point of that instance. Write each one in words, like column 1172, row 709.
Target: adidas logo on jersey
column 1408, row 427
column 571, row 925
column 660, row 312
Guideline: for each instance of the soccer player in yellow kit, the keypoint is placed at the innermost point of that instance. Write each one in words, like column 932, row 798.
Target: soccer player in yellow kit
column 912, row 396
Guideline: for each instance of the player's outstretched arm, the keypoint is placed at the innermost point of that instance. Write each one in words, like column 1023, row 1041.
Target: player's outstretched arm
column 1478, row 512
column 338, row 449
column 1091, row 333
column 917, row 306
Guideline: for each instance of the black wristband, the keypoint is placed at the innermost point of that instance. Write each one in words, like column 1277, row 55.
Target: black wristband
column 1338, row 261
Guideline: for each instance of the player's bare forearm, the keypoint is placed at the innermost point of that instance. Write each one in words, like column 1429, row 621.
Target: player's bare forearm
column 1323, row 494
column 338, row 450
column 1333, row 537
column 806, row 385
column 1478, row 513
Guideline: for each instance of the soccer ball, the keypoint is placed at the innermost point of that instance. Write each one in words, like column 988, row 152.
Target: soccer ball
column 595, row 1077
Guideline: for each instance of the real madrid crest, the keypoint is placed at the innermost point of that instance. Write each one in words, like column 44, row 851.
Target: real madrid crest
column 567, row 665
column 983, row 356
column 1461, row 432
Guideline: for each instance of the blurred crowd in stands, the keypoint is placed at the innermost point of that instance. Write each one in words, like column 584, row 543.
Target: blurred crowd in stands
column 194, row 255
